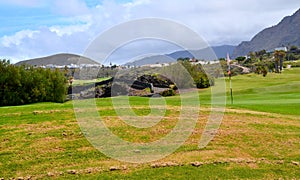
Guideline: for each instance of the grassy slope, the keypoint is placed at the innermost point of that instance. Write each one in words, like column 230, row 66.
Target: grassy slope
column 44, row 140
column 278, row 93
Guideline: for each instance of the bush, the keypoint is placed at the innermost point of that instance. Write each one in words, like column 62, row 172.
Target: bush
column 202, row 81
column 168, row 92
column 23, row 85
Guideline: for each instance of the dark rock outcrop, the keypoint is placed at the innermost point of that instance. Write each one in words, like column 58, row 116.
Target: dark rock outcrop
column 157, row 80
column 144, row 86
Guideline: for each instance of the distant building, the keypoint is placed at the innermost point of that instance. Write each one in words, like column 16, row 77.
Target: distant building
column 71, row 66
column 285, row 49
column 281, row 49
column 157, row 65
column 194, row 60
column 152, row 65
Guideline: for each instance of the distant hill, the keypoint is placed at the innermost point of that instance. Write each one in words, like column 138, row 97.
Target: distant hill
column 206, row 54
column 287, row 32
column 59, row 59
column 151, row 60
column 221, row 51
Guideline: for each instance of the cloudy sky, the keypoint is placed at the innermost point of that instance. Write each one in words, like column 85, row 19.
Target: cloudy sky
column 35, row 28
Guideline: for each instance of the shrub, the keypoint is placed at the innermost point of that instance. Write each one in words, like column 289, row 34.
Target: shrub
column 168, row 92
column 23, row 85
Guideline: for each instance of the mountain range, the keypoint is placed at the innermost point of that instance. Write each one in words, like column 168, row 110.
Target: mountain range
column 65, row 59
column 285, row 33
column 207, row 54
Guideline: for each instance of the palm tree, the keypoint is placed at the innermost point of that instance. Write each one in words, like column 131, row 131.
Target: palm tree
column 279, row 56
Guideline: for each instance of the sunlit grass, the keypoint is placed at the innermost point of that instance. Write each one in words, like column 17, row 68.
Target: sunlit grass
column 77, row 82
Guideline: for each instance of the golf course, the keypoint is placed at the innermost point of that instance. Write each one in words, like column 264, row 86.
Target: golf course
column 258, row 138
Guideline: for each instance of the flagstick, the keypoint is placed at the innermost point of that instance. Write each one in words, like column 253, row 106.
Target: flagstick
column 231, row 96
column 229, row 74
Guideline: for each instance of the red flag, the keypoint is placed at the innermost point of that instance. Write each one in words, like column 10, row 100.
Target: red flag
column 228, row 64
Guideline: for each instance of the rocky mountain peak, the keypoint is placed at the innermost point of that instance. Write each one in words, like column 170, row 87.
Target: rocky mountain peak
column 285, row 33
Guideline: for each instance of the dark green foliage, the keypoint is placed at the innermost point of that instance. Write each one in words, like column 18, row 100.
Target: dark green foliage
column 261, row 70
column 168, row 92
column 241, row 58
column 264, row 67
column 23, row 85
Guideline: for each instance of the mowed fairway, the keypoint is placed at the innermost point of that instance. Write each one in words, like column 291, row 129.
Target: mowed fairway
column 258, row 138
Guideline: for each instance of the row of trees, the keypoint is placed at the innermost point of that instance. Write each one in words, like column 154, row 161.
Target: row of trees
column 292, row 53
column 262, row 62
column 23, row 85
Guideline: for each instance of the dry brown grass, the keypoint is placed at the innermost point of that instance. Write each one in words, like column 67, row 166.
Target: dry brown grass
column 245, row 138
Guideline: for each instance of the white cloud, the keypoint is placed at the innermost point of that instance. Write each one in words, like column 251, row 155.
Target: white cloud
column 42, row 43
column 69, row 29
column 17, row 39
column 218, row 22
